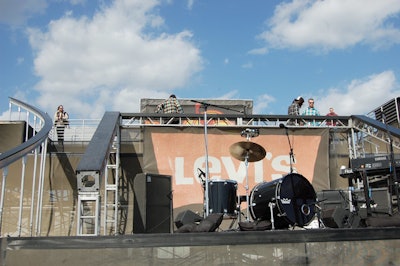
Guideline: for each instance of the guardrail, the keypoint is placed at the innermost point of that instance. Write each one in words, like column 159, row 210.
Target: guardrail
column 78, row 130
column 36, row 144
column 40, row 121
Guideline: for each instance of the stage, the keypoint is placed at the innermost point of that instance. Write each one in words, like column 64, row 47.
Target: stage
column 298, row 246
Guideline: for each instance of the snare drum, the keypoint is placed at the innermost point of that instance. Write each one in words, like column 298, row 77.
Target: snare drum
column 293, row 199
column 222, row 197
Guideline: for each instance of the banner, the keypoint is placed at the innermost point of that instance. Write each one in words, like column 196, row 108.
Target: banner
column 181, row 152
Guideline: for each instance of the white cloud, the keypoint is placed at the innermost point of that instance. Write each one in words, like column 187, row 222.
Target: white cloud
column 190, row 4
column 332, row 24
column 247, row 65
column 259, row 51
column 110, row 61
column 361, row 95
column 262, row 102
column 229, row 95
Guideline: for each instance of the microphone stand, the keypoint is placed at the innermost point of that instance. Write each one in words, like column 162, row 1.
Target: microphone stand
column 206, row 188
column 291, row 155
column 206, row 197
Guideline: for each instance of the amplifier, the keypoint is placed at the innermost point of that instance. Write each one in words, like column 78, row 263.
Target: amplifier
column 381, row 202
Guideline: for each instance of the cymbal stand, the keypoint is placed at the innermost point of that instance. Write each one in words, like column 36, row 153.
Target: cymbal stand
column 248, row 133
column 246, row 162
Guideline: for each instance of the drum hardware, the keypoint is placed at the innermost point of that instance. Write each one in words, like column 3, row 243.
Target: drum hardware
column 250, row 133
column 318, row 211
column 271, row 206
column 247, row 151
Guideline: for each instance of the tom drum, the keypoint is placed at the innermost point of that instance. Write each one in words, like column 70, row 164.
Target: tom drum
column 222, row 197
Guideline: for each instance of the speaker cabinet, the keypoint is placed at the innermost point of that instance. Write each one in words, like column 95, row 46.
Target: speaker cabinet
column 380, row 201
column 152, row 203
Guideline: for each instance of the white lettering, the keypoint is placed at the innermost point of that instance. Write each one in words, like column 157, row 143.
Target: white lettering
column 277, row 165
column 238, row 175
column 259, row 172
column 214, row 166
column 180, row 179
column 280, row 163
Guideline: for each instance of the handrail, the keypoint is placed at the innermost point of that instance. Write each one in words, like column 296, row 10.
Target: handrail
column 21, row 150
column 148, row 119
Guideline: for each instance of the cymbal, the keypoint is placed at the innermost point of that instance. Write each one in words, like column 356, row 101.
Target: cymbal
column 240, row 149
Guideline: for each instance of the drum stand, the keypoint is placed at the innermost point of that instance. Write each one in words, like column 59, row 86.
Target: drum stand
column 246, row 163
column 247, row 151
column 271, row 206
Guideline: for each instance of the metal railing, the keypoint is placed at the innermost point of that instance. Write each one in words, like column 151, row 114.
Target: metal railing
column 36, row 144
column 78, row 130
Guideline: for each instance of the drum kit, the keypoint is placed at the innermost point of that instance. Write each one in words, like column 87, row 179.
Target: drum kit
column 287, row 201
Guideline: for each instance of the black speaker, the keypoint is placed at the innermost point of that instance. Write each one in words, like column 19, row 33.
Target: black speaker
column 330, row 199
column 152, row 203
column 187, row 217
column 335, row 217
column 380, row 201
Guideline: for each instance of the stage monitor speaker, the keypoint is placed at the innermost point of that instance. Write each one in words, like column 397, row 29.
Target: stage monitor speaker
column 187, row 217
column 335, row 217
column 152, row 203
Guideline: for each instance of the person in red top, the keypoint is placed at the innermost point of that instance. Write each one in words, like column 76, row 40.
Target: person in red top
column 331, row 113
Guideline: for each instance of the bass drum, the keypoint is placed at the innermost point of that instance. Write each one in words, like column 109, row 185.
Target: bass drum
column 293, row 199
column 222, row 197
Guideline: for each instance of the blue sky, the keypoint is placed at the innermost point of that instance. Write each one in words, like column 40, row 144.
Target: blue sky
column 96, row 56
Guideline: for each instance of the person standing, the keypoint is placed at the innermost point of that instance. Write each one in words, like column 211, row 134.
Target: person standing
column 170, row 106
column 311, row 111
column 331, row 113
column 294, row 109
column 60, row 121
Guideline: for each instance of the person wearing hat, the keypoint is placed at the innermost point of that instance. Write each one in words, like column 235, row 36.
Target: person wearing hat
column 294, row 109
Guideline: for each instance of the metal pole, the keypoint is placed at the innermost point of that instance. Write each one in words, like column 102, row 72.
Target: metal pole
column 246, row 162
column 21, row 195
column 206, row 160
column 33, row 191
column 3, row 191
